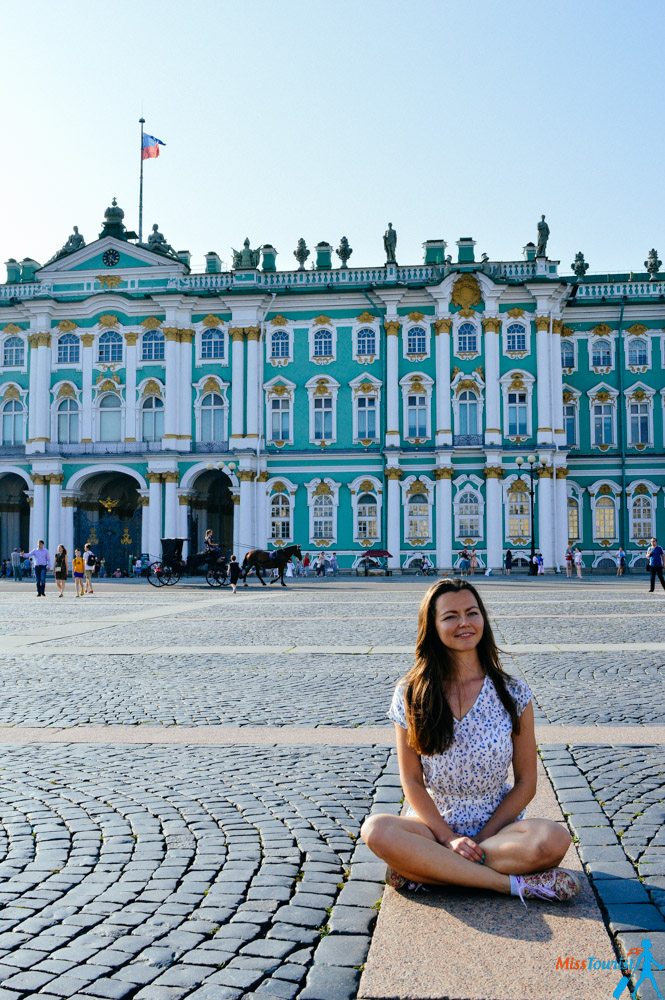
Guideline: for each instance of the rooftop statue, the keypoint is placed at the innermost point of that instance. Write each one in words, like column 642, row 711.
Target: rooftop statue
column 390, row 244
column 652, row 264
column 157, row 243
column 543, row 236
column 579, row 265
column 301, row 253
column 344, row 251
column 246, row 259
column 74, row 242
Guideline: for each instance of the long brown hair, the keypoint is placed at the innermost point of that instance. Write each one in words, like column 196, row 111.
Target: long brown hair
column 429, row 716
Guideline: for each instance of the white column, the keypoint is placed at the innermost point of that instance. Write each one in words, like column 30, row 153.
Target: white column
column 261, row 500
column 546, row 523
column 38, row 519
column 170, row 504
column 185, row 414
column 492, row 326
column 444, row 433
column 55, row 512
column 444, row 518
column 544, row 380
column 494, row 516
column 252, row 333
column 67, row 525
column 236, row 523
column 561, row 510
column 247, row 533
column 557, row 387
column 87, row 340
column 44, row 389
column 392, row 384
column 144, row 500
column 182, row 530
column 33, row 394
column 394, row 516
column 131, row 428
column 237, row 386
column 172, row 403
column 155, row 514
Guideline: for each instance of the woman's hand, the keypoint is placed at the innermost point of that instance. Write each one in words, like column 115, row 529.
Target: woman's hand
column 467, row 848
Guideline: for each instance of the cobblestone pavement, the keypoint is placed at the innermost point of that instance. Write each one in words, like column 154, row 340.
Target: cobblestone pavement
column 221, row 873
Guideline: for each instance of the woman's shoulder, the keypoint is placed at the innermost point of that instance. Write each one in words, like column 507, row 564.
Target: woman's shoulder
column 519, row 691
column 397, row 710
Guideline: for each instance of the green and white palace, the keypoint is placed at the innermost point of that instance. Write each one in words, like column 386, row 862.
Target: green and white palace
column 346, row 409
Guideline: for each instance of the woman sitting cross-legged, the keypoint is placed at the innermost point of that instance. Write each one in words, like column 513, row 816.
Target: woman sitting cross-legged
column 460, row 722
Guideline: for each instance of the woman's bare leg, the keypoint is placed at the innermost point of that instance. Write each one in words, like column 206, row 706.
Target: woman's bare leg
column 526, row 846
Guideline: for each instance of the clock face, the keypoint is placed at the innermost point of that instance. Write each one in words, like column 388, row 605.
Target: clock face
column 110, row 257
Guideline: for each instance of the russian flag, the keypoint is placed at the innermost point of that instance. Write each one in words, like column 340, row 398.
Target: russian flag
column 150, row 146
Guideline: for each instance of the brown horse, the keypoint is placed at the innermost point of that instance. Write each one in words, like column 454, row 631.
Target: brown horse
column 260, row 559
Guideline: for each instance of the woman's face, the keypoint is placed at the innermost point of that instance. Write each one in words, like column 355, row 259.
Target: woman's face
column 458, row 619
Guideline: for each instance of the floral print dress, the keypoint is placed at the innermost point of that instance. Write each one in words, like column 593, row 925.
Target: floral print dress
column 469, row 780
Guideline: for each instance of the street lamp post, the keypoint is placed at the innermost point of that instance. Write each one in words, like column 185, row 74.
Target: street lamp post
column 532, row 460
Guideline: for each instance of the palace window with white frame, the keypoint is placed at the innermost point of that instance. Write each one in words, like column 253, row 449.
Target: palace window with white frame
column 467, row 339
column 567, row 354
column 152, row 346
column 279, row 344
column 601, row 354
column 570, row 424
column 468, row 413
column 641, row 518
column 603, row 423
column 516, row 338
column 110, row 418
column 110, row 347
column 519, row 513
column 416, row 410
column 212, row 345
column 280, row 418
column 13, row 423
column 367, row 526
column 573, row 519
column 67, row 422
column 416, row 340
column 280, row 516
column 518, row 412
column 13, row 355
column 467, row 515
column 366, row 342
column 366, row 410
column 417, row 513
column 323, row 418
column 638, row 353
column 69, row 349
column 604, row 518
column 639, row 420
column 323, row 344
column 212, row 417
column 152, row 419
column 323, row 512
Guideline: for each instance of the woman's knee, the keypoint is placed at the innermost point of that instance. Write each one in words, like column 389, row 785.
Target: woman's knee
column 376, row 830
column 549, row 843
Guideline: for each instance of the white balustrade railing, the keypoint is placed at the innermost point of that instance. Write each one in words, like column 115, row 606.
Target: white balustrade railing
column 619, row 289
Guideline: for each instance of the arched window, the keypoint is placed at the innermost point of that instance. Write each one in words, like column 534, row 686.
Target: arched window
column 467, row 338
column 368, row 521
column 322, row 518
column 110, row 347
column 212, row 417
column 109, row 417
column 323, row 344
column 468, row 413
column 567, row 354
column 366, row 342
column 69, row 349
column 152, row 346
column 280, row 516
column 68, row 422
column 152, row 419
column 12, row 423
column 642, row 519
column 519, row 525
column 417, row 517
column 13, row 355
column 573, row 520
column 416, row 341
column 604, row 524
column 468, row 516
column 516, row 337
column 601, row 354
column 279, row 344
column 638, row 352
column 212, row 345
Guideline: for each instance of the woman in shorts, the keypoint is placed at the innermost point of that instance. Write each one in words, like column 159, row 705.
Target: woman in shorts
column 461, row 722
column 78, row 568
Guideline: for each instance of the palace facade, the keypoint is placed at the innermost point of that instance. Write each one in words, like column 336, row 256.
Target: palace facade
column 346, row 409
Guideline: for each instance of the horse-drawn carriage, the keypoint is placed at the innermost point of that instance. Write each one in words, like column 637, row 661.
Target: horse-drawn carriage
column 168, row 570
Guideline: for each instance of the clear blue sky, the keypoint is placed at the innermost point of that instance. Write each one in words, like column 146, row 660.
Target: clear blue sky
column 314, row 119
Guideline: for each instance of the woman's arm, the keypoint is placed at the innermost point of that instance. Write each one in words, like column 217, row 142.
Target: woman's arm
column 411, row 776
column 525, row 759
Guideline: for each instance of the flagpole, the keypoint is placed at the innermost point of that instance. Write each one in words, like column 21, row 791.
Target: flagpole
column 142, row 123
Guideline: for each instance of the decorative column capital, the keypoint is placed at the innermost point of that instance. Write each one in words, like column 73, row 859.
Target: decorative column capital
column 557, row 326
column 144, row 501
column 237, row 332
column 39, row 339
column 171, row 333
column 493, row 472
column 445, row 472
column 185, row 499
column 252, row 332
column 246, row 476
column 562, row 472
column 68, row 501
column 87, row 339
column 392, row 327
column 186, row 336
column 491, row 324
column 130, row 338
column 236, row 499
column 546, row 472
column 542, row 323
column 171, row 477
column 443, row 326
column 55, row 478
column 394, row 473
column 39, row 480
column 154, row 477
column 263, row 477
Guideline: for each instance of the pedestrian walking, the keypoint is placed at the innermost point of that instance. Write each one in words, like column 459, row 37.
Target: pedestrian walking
column 464, row 563
column 60, row 569
column 320, row 565
column 334, row 569
column 17, row 565
column 306, row 562
column 540, row 564
column 461, row 722
column 234, row 574
column 90, row 563
column 579, row 563
column 78, row 571
column 568, row 559
column 508, row 561
column 621, row 561
column 473, row 562
column 41, row 561
column 655, row 564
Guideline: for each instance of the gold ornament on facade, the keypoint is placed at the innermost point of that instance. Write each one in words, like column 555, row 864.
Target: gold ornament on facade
column 322, row 321
column 493, row 472
column 237, row 333
column 151, row 323
column 393, row 473
column 154, row 477
column 108, row 320
column 641, row 490
column 278, row 487
column 516, row 383
column 39, row 339
column 12, row 328
column 491, row 324
column 130, row 338
column 602, row 396
column 68, row 501
column 252, row 332
column 365, row 442
column 392, row 327
column 263, row 477
column 246, row 476
column 443, row 326
column 365, row 542
column 601, row 330
column 322, row 490
column 277, row 542
column 210, row 385
column 568, row 396
column 186, row 336
column 322, row 387
column 639, row 395
column 11, row 392
column 466, row 292
column 557, row 326
column 416, row 385
column 279, row 320
column 210, row 321
column 171, row 334
column 367, row 486
column 515, row 313
column 66, row 326
column 152, row 388
column 416, row 317
column 66, row 391
column 605, row 490
column 126, row 538
column 92, row 537
column 105, row 384
column 442, row 473
column 455, row 372
column 322, row 543
column 417, row 488
column 480, row 371
column 519, row 486
column 417, row 541
column 466, row 384
column 636, row 330
column 542, row 323
column 87, row 339
column 236, row 499
column 109, row 281
column 365, row 317
column 109, row 504
column 546, row 472
column 171, row 477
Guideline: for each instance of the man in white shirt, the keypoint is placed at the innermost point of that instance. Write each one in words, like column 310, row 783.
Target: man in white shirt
column 41, row 561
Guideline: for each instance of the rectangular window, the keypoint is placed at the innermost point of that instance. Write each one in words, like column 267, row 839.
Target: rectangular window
column 323, row 418
column 367, row 520
column 602, row 424
column 366, row 418
column 417, row 416
column 639, row 423
column 519, row 515
column 570, row 424
column 573, row 520
column 517, row 414
column 516, row 342
column 280, row 419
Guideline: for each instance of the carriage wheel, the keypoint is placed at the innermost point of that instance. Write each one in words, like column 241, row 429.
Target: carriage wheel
column 175, row 574
column 213, row 578
column 156, row 574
